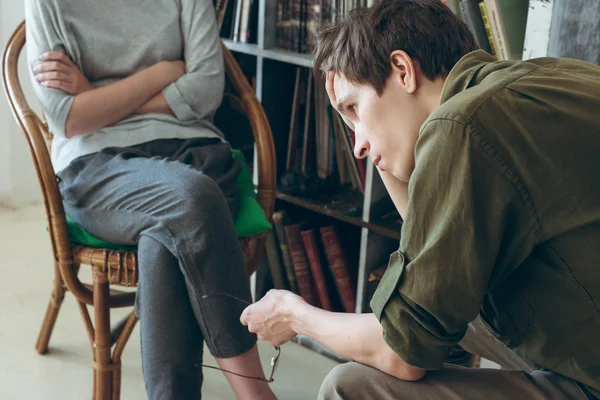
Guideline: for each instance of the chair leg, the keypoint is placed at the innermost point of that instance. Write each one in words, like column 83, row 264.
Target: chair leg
column 103, row 366
column 122, row 339
column 56, row 299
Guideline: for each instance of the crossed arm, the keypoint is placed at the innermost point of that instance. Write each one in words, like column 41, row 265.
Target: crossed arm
column 96, row 108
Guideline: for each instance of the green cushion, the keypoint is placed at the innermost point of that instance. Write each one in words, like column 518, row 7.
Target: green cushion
column 250, row 219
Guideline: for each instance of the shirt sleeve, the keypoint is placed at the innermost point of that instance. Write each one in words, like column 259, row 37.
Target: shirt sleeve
column 467, row 226
column 199, row 92
column 42, row 36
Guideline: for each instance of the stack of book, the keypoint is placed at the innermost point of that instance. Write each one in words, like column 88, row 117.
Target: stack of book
column 299, row 21
column 320, row 157
column 498, row 25
column 311, row 262
column 237, row 20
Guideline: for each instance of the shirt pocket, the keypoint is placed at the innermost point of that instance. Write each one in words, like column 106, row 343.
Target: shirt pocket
column 389, row 283
column 508, row 316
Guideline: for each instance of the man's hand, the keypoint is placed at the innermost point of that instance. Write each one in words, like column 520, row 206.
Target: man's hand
column 329, row 82
column 57, row 71
column 271, row 318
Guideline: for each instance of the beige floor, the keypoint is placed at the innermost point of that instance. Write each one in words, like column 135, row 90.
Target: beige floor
column 65, row 373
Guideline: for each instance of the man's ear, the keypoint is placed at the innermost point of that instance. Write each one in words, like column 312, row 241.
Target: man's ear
column 403, row 69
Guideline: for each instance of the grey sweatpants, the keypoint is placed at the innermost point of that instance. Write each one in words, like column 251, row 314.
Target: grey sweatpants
column 175, row 200
column 518, row 381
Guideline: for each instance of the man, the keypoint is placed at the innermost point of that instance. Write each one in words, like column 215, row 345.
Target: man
column 493, row 166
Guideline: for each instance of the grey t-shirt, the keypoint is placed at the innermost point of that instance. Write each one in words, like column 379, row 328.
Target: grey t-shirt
column 112, row 39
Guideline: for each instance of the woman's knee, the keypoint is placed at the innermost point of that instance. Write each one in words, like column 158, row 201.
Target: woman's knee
column 201, row 194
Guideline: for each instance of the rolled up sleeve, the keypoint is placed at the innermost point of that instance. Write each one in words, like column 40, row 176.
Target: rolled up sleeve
column 198, row 93
column 467, row 226
column 42, row 36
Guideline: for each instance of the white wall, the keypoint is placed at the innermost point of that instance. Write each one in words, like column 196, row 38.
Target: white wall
column 18, row 183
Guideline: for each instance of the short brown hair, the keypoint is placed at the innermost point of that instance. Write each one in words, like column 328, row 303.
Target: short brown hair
column 359, row 47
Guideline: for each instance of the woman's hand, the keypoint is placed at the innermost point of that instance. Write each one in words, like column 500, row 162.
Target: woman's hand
column 273, row 317
column 57, row 71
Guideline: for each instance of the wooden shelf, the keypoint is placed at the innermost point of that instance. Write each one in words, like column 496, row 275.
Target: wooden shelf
column 246, row 48
column 389, row 230
column 303, row 60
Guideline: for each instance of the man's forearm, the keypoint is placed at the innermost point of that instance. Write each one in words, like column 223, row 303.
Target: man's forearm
column 105, row 106
column 397, row 190
column 357, row 337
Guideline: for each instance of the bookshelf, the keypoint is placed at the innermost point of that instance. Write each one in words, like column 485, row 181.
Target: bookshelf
column 372, row 236
column 273, row 69
column 368, row 234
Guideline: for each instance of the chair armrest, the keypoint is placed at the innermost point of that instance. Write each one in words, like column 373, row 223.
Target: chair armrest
column 263, row 138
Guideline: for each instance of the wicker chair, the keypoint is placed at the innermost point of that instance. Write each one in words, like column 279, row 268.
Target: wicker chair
column 115, row 268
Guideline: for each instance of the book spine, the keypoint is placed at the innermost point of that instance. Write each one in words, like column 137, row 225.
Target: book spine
column 470, row 10
column 300, row 263
column 312, row 251
column 237, row 19
column 286, row 257
column 497, row 30
column 488, row 29
column 338, row 264
column 245, row 21
column 275, row 265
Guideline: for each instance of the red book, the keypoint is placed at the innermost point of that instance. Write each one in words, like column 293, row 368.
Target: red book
column 300, row 263
column 339, row 266
column 314, row 261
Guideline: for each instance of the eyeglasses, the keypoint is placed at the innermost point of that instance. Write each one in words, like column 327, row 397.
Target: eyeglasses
column 274, row 360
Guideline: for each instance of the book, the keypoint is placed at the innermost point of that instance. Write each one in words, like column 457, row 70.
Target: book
column 488, row 29
column 237, row 20
column 339, row 266
column 495, row 22
column 455, row 7
column 307, row 149
column 300, row 262
column 512, row 15
column 279, row 220
column 245, row 21
column 474, row 21
column 316, row 267
column 293, row 131
column 275, row 264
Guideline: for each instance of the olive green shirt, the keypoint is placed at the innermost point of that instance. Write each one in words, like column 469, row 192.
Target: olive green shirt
column 503, row 219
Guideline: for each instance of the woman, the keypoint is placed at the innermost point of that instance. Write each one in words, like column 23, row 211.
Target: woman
column 129, row 88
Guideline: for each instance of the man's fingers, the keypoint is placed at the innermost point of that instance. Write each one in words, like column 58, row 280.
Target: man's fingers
column 53, row 76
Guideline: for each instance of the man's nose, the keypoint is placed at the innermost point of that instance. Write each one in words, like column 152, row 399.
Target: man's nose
column 361, row 147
